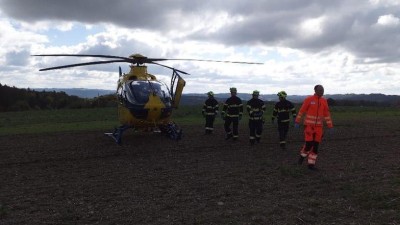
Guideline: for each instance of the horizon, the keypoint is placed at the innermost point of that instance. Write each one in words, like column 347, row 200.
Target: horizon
column 219, row 93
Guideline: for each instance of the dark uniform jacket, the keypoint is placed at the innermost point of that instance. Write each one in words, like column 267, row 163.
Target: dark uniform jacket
column 233, row 107
column 282, row 110
column 256, row 108
column 210, row 107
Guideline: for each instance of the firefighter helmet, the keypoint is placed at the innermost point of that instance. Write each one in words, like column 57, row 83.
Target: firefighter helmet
column 233, row 90
column 255, row 92
column 210, row 93
column 282, row 94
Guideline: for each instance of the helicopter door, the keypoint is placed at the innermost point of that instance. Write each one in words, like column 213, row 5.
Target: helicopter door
column 176, row 88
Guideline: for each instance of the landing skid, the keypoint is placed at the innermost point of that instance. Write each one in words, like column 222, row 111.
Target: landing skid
column 112, row 136
column 171, row 130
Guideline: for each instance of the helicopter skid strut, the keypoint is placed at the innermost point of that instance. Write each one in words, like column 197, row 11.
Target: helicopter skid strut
column 117, row 134
column 171, row 130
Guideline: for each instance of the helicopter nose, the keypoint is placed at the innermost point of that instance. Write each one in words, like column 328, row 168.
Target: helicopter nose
column 154, row 107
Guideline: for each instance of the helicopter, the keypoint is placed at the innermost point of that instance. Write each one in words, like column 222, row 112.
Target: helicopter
column 144, row 102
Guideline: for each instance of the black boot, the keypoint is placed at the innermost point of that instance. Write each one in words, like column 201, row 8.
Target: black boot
column 312, row 167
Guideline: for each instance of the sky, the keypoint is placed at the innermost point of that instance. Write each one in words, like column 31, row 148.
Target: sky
column 348, row 46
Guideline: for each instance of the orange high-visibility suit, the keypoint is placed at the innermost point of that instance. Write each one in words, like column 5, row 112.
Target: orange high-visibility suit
column 315, row 110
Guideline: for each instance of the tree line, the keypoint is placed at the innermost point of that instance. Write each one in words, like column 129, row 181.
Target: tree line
column 358, row 102
column 16, row 99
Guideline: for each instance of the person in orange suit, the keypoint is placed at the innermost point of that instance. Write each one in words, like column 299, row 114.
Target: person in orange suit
column 315, row 110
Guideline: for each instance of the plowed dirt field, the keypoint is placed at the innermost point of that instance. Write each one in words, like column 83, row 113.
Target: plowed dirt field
column 85, row 178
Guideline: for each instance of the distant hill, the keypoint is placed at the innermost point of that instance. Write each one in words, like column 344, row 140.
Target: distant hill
column 356, row 99
column 193, row 98
column 196, row 99
column 366, row 97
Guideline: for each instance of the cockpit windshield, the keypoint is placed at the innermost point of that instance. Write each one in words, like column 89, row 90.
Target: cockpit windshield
column 140, row 91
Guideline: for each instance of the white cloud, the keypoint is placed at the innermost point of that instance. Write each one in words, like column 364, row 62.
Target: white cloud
column 388, row 20
column 312, row 27
column 347, row 45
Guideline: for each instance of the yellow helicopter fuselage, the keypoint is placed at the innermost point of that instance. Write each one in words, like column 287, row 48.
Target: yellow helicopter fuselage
column 145, row 102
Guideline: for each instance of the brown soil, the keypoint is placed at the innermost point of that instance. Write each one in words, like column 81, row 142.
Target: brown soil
column 85, row 178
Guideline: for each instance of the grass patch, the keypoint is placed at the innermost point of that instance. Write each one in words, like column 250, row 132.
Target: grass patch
column 43, row 121
column 31, row 122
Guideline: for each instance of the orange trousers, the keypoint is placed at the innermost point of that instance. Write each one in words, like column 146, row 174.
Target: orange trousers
column 313, row 133
column 312, row 136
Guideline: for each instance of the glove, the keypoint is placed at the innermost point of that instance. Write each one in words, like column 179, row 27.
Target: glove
column 296, row 125
column 240, row 117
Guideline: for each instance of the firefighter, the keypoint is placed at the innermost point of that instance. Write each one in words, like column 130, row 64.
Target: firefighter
column 210, row 110
column 281, row 113
column 232, row 113
column 256, row 109
column 315, row 110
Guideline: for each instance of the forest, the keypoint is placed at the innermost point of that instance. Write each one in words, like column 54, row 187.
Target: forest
column 16, row 99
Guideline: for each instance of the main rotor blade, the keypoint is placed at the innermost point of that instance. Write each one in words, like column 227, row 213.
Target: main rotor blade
column 142, row 60
column 88, row 63
column 180, row 71
column 86, row 55
column 204, row 60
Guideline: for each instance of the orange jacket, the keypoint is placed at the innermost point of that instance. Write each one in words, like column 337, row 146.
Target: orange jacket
column 316, row 110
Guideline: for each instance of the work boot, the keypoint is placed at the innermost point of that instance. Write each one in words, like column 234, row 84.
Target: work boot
column 300, row 161
column 228, row 136
column 312, row 167
column 283, row 146
column 258, row 140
